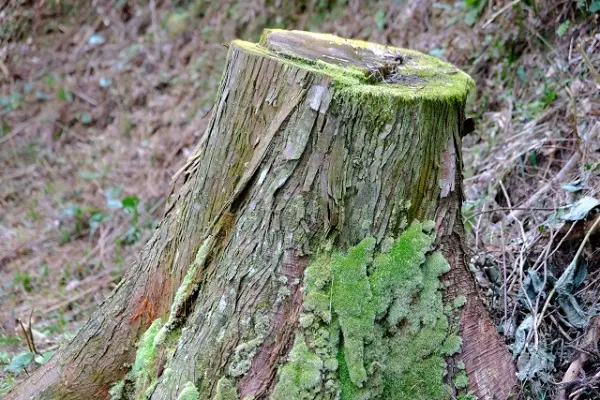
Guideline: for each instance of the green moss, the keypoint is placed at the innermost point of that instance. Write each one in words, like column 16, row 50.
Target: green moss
column 300, row 375
column 189, row 392
column 117, row 391
column 460, row 301
column 352, row 301
column 423, row 77
column 144, row 367
column 398, row 276
column 177, row 23
column 461, row 381
column 226, row 390
column 190, row 281
column 164, row 336
column 393, row 332
column 317, row 281
column 245, row 351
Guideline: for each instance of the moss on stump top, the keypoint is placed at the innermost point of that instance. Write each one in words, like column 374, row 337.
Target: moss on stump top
column 365, row 67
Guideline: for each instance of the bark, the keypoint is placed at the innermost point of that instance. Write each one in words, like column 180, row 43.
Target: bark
column 314, row 142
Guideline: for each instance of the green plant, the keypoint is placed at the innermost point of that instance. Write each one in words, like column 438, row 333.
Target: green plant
column 9, row 340
column 563, row 28
column 12, row 102
column 22, row 279
column 65, row 95
column 475, row 8
column 22, row 360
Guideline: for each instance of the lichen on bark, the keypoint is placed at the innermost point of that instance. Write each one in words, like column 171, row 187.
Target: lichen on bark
column 158, row 342
column 378, row 326
column 189, row 392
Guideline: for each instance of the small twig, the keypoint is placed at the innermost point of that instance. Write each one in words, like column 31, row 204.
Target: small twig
column 573, row 371
column 155, row 30
column 561, row 175
column 500, row 11
column 69, row 131
column 575, row 258
column 504, row 275
column 514, row 209
column 588, row 63
column 28, row 334
column 85, row 97
column 14, row 133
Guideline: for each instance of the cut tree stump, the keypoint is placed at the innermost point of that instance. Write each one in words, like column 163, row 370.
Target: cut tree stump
column 302, row 256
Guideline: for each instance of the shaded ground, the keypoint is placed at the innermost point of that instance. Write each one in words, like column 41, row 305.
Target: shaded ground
column 102, row 101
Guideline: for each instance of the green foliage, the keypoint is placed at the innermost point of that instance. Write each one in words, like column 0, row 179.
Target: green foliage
column 65, row 95
column 22, row 279
column 6, row 384
column 86, row 217
column 19, row 362
column 22, row 360
column 5, row 128
column 475, row 8
column 12, row 102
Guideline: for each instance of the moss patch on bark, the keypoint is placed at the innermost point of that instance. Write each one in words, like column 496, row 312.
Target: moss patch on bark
column 189, row 392
column 418, row 77
column 374, row 324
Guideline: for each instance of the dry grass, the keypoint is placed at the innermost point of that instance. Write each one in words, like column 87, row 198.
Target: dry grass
column 81, row 118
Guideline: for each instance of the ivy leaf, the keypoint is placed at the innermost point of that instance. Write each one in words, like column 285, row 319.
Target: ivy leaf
column 572, row 187
column 19, row 362
column 535, row 362
column 521, row 335
column 566, row 284
column 112, row 198
column 580, row 209
column 575, row 314
column 44, row 357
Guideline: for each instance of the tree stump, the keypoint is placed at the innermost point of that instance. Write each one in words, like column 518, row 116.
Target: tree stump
column 314, row 251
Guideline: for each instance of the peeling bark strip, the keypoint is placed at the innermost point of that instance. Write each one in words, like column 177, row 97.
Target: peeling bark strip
column 315, row 142
column 261, row 375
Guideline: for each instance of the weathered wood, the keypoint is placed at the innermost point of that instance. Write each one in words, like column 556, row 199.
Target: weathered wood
column 315, row 142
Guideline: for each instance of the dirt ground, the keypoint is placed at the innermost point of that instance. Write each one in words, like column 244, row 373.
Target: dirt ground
column 101, row 102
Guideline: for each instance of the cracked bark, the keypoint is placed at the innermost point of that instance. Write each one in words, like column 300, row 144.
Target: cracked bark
column 288, row 162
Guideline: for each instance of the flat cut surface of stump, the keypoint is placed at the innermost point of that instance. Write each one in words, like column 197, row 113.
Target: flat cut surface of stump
column 414, row 74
